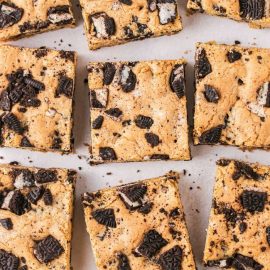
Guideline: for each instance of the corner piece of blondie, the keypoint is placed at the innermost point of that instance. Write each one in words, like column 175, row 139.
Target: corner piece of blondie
column 232, row 100
column 238, row 235
column 110, row 22
column 138, row 111
column 139, row 226
column 255, row 12
column 24, row 18
column 36, row 209
column 36, row 98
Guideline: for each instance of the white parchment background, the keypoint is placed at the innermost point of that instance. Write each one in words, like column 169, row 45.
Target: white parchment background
column 196, row 186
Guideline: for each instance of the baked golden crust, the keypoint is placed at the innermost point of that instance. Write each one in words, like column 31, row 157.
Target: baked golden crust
column 116, row 22
column 118, row 237
column 25, row 18
column 39, row 205
column 238, row 233
column 36, row 98
column 232, row 100
column 256, row 13
column 142, row 117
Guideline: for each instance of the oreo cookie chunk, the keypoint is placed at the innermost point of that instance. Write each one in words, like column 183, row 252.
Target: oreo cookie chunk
column 126, row 125
column 255, row 12
column 221, row 111
column 36, row 101
column 117, row 22
column 125, row 224
column 35, row 205
column 238, row 231
column 21, row 18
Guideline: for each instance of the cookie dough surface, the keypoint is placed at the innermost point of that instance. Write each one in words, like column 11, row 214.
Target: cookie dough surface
column 138, row 111
column 232, row 103
column 20, row 18
column 36, row 98
column 36, row 209
column 139, row 226
column 111, row 22
column 238, row 235
column 255, row 12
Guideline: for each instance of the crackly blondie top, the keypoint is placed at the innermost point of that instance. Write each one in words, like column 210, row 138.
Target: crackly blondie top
column 139, row 226
column 238, row 235
column 138, row 111
column 113, row 22
column 36, row 98
column 19, row 18
column 232, row 103
column 36, row 209
column 255, row 12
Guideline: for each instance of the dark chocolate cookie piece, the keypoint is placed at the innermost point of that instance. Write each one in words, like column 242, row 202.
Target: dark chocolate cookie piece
column 211, row 136
column 98, row 98
column 132, row 195
column 245, row 170
column 108, row 73
column 13, row 123
column 171, row 259
column 241, row 262
column 151, row 244
column 105, row 217
column 7, row 224
column 126, row 2
column 253, row 201
column 252, row 9
column 65, row 87
column 104, row 25
column 5, row 102
column 18, row 204
column 152, row 139
column 8, row 261
column 233, row 56
column 107, row 153
column 47, row 197
column 44, row 176
column 35, row 194
column 34, row 83
column 123, row 262
column 48, row 249
column 267, row 230
column 10, row 14
column 177, row 80
column 152, row 5
column 167, row 11
column 144, row 122
column 267, row 102
column 128, row 79
column 60, row 15
column 202, row 65
column 25, row 142
column 97, row 123
column 211, row 94
column 114, row 112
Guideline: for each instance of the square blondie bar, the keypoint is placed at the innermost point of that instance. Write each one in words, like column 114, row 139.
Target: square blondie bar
column 36, row 209
column 255, row 12
column 36, row 98
column 232, row 103
column 139, row 226
column 138, row 111
column 111, row 22
column 238, row 235
column 23, row 18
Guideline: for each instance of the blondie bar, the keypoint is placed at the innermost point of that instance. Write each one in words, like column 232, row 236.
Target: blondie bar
column 232, row 103
column 255, row 12
column 36, row 209
column 111, row 22
column 238, row 235
column 23, row 18
column 139, row 226
column 138, row 111
column 36, row 98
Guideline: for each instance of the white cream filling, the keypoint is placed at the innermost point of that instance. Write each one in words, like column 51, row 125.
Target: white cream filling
column 56, row 18
column 99, row 23
column 7, row 199
column 166, row 12
column 102, row 96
